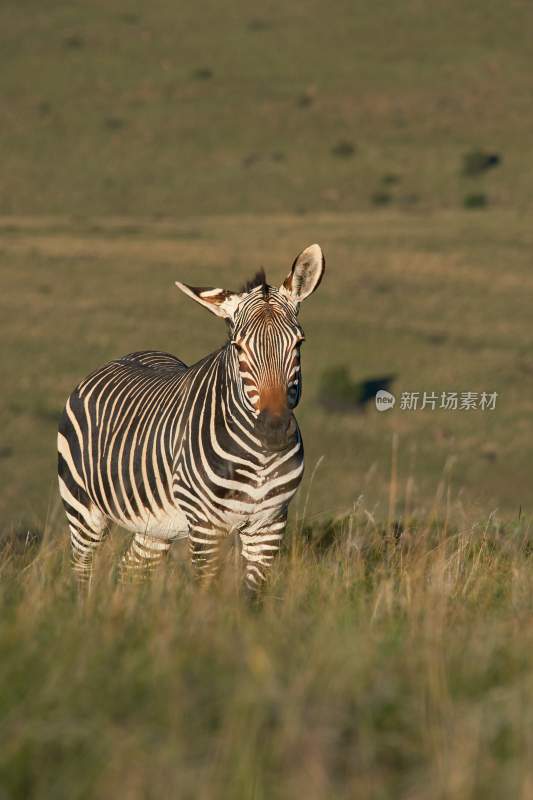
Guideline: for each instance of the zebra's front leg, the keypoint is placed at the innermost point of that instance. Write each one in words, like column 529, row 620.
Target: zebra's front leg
column 144, row 554
column 204, row 546
column 258, row 550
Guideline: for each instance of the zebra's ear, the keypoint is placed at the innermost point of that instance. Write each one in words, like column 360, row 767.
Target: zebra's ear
column 219, row 301
column 305, row 275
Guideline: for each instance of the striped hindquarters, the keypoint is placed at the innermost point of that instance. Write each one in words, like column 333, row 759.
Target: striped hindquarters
column 116, row 436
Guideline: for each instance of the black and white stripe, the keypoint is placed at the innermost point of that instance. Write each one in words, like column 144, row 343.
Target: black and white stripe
column 168, row 451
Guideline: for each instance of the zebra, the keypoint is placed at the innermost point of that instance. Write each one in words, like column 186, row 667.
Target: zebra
column 168, row 451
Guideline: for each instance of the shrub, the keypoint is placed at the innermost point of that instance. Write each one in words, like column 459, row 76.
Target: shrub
column 478, row 200
column 343, row 149
column 478, row 161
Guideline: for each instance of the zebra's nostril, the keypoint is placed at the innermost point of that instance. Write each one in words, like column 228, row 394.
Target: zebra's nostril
column 276, row 430
column 291, row 427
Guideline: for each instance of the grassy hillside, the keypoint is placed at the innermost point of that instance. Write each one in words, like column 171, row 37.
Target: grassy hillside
column 440, row 300
column 149, row 108
column 378, row 666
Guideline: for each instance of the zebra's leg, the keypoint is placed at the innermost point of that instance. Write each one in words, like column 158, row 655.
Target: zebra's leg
column 258, row 550
column 143, row 556
column 86, row 534
column 88, row 525
column 204, row 546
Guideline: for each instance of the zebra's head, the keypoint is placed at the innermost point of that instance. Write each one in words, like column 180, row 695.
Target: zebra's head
column 264, row 342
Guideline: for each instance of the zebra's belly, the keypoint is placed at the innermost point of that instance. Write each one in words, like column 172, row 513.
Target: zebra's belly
column 167, row 523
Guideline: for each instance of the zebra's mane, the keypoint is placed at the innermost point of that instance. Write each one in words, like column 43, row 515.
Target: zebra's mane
column 259, row 279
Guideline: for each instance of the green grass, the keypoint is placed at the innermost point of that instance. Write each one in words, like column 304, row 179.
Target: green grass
column 377, row 665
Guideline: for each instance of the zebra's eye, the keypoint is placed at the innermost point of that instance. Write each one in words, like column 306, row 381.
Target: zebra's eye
column 237, row 345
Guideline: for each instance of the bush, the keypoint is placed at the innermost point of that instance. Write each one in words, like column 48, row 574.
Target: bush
column 478, row 161
column 478, row 200
column 343, row 149
column 337, row 391
column 381, row 198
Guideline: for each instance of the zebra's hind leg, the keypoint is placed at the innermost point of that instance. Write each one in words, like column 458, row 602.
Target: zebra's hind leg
column 142, row 557
column 86, row 534
column 88, row 525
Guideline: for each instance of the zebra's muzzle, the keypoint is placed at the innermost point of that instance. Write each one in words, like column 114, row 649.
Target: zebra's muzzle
column 277, row 431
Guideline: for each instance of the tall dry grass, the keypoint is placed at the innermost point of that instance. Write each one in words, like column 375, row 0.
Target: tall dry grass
column 384, row 661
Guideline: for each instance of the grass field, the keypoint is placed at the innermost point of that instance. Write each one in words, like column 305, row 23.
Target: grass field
column 378, row 666
column 144, row 143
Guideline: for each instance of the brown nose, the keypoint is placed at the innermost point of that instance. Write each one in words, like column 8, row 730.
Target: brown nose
column 277, row 431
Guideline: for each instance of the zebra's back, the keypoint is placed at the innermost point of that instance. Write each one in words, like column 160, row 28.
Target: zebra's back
column 156, row 360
